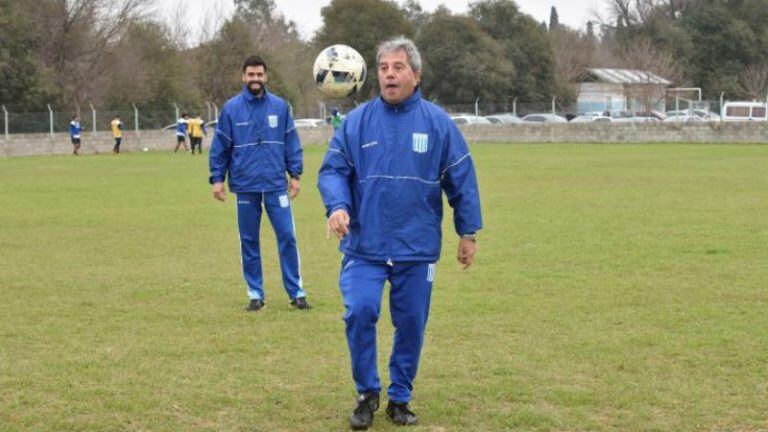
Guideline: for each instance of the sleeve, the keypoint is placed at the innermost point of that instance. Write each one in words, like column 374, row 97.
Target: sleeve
column 120, row 125
column 336, row 172
column 293, row 152
column 459, row 181
column 221, row 149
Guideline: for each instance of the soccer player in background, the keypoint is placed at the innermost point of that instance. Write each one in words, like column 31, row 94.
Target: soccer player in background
column 382, row 181
column 117, row 133
column 335, row 119
column 255, row 145
column 181, row 132
column 197, row 129
column 74, row 134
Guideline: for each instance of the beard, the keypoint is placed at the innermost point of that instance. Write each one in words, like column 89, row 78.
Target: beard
column 255, row 89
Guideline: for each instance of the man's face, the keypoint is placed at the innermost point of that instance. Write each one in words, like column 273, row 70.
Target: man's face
column 397, row 79
column 254, row 78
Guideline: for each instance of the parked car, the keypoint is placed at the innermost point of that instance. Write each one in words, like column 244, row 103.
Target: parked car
column 684, row 119
column 308, row 122
column 702, row 113
column 636, row 117
column 745, row 111
column 591, row 118
column 504, row 119
column 544, row 118
column 462, row 119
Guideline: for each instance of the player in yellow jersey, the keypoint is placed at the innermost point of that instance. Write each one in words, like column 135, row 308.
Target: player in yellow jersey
column 117, row 133
column 196, row 131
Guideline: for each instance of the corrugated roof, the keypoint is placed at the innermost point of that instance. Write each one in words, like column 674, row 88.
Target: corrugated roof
column 628, row 76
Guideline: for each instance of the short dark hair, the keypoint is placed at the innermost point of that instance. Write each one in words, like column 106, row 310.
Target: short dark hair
column 254, row 60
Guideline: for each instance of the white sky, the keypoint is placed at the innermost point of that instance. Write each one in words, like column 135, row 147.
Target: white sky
column 306, row 13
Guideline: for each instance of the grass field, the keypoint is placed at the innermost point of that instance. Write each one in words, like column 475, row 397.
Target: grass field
column 617, row 288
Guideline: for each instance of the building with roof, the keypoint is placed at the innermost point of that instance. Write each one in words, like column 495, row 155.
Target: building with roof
column 633, row 90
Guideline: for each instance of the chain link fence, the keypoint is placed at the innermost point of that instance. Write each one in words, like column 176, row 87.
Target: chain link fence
column 94, row 120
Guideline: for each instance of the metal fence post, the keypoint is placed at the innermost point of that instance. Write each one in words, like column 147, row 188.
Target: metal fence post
column 554, row 99
column 514, row 107
column 477, row 108
column 93, row 118
column 50, row 119
column 722, row 95
column 215, row 111
column 176, row 107
column 77, row 107
column 5, row 116
column 208, row 108
column 135, row 118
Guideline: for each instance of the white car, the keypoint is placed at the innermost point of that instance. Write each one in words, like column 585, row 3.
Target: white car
column 308, row 122
column 684, row 119
column 591, row 119
column 704, row 114
column 544, row 118
column 462, row 119
column 504, row 119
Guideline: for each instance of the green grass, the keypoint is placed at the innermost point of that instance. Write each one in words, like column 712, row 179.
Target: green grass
column 617, row 288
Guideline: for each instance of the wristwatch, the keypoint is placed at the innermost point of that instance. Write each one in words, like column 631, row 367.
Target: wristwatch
column 469, row 236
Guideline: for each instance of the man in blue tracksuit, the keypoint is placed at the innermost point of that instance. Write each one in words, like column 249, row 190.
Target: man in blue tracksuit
column 254, row 146
column 381, row 182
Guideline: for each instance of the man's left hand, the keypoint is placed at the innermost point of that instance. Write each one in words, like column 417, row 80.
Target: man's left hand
column 467, row 250
column 293, row 188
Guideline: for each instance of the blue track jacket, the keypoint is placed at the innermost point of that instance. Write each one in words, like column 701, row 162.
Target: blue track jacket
column 255, row 144
column 387, row 165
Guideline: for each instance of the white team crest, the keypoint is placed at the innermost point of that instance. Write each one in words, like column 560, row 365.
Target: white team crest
column 420, row 142
column 272, row 121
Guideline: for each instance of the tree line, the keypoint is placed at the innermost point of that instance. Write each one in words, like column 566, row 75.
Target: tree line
column 115, row 53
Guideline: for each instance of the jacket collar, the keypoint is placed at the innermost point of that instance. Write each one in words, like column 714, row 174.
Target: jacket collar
column 250, row 97
column 405, row 105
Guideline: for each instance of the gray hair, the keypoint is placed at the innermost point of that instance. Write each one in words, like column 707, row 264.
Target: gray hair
column 397, row 44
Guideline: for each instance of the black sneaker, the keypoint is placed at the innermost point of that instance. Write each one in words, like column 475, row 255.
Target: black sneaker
column 362, row 417
column 300, row 303
column 255, row 305
column 400, row 414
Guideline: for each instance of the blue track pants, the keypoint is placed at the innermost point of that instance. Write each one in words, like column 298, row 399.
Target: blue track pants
column 278, row 206
column 362, row 285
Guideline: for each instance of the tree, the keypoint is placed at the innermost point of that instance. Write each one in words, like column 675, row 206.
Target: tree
column 363, row 25
column 754, row 81
column 77, row 39
column 554, row 20
column 415, row 14
column 644, row 57
column 462, row 62
column 524, row 44
column 21, row 73
column 573, row 54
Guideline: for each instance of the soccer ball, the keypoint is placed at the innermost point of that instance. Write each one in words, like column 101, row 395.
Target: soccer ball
column 146, row 148
column 339, row 71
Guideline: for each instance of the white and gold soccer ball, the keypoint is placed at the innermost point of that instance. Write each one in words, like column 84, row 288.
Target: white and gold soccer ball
column 339, row 71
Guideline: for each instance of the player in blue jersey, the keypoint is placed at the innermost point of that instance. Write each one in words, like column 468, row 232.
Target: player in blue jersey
column 181, row 132
column 74, row 134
